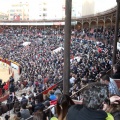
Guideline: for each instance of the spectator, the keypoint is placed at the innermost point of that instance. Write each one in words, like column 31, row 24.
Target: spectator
column 94, row 96
column 113, row 89
column 63, row 104
column 114, row 109
column 116, row 72
column 24, row 112
column 38, row 105
column 38, row 116
column 24, row 100
column 52, row 96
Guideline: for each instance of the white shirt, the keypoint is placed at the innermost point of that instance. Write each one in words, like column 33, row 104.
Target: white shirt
column 72, row 80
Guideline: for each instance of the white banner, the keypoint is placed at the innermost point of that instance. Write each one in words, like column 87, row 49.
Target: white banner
column 118, row 46
column 14, row 66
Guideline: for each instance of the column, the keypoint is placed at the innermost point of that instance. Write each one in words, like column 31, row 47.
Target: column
column 66, row 72
column 116, row 32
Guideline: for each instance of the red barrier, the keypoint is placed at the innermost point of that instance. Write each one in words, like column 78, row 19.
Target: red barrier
column 50, row 88
column 0, row 91
column 4, row 98
column 7, row 62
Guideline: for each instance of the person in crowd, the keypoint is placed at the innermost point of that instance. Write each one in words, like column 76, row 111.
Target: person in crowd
column 38, row 116
column 52, row 96
column 38, row 105
column 114, row 109
column 24, row 100
column 94, row 96
column 12, row 87
column 113, row 89
column 63, row 104
column 24, row 112
column 16, row 105
column 13, row 117
column 47, row 110
column 7, row 117
column 1, row 109
column 116, row 71
column 30, row 94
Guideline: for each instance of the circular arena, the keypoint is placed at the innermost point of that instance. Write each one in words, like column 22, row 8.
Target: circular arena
column 4, row 72
column 43, row 77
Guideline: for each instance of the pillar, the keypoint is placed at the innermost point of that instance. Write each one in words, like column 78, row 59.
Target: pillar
column 66, row 71
column 116, row 32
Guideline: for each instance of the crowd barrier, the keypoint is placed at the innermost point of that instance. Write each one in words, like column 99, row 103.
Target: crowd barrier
column 0, row 92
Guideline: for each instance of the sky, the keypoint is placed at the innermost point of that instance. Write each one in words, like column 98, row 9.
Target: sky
column 101, row 5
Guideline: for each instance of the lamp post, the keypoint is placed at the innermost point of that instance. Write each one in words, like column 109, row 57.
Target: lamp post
column 66, row 74
column 116, row 31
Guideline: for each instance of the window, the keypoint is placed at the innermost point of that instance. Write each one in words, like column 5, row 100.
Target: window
column 12, row 10
column 44, row 3
column 44, row 9
column 44, row 14
column 19, row 10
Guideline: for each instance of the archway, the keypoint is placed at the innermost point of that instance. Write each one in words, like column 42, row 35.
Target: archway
column 79, row 26
column 93, row 24
column 86, row 25
column 113, row 21
column 101, row 23
column 108, row 23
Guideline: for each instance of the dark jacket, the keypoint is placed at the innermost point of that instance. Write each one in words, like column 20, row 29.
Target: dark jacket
column 116, row 115
column 78, row 112
column 116, row 75
column 12, row 87
column 25, row 113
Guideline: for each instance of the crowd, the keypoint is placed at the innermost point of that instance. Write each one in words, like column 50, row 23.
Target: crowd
column 42, row 68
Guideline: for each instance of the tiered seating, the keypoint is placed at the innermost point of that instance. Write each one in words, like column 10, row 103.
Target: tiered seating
column 1, row 30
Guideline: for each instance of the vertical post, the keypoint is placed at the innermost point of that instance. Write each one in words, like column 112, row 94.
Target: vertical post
column 116, row 32
column 66, row 74
column 97, row 22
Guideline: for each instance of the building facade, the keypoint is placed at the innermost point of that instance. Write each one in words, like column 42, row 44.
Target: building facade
column 3, row 16
column 88, row 7
column 19, row 11
column 53, row 10
column 45, row 10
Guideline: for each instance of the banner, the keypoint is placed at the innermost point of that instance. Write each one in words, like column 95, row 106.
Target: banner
column 14, row 66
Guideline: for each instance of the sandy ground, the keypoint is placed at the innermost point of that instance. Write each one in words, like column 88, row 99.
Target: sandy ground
column 4, row 73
